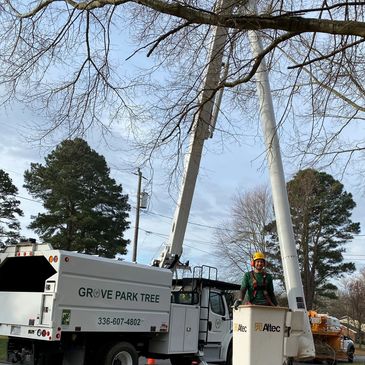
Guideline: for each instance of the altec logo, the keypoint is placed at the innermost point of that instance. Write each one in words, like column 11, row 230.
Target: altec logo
column 237, row 327
column 266, row 327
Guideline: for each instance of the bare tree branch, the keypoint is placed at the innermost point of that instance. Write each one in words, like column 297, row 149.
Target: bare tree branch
column 68, row 61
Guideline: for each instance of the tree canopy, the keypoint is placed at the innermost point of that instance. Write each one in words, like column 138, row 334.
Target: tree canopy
column 88, row 63
column 9, row 210
column 321, row 214
column 85, row 208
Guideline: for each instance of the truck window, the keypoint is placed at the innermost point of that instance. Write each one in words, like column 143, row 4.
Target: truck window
column 216, row 303
column 230, row 299
column 26, row 274
column 183, row 297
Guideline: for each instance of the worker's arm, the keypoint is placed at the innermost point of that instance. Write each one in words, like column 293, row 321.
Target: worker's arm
column 270, row 290
column 243, row 293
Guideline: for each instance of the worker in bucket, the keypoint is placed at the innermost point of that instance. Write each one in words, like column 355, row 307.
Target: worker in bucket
column 257, row 284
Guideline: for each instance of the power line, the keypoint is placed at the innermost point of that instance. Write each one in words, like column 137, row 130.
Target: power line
column 190, row 222
column 198, row 249
column 163, row 235
column 32, row 200
column 14, row 172
column 217, row 228
column 170, row 218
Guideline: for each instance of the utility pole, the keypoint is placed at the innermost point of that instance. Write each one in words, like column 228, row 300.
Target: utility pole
column 138, row 208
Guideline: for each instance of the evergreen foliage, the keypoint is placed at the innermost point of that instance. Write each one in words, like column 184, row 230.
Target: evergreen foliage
column 321, row 214
column 86, row 210
column 9, row 210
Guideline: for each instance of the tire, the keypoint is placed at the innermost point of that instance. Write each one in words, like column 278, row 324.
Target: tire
column 121, row 353
column 350, row 354
column 229, row 359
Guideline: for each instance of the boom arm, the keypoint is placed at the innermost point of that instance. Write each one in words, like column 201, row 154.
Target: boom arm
column 202, row 129
column 289, row 256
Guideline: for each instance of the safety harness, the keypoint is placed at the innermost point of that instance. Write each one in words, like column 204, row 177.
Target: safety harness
column 262, row 287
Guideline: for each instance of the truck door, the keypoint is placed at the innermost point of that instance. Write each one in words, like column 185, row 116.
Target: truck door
column 219, row 324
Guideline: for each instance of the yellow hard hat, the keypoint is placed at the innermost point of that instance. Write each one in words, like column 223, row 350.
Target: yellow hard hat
column 258, row 256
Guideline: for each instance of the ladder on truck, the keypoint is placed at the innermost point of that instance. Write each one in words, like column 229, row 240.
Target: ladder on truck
column 209, row 273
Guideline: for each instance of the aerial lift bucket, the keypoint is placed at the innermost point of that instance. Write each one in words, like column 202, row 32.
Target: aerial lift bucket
column 258, row 335
column 268, row 335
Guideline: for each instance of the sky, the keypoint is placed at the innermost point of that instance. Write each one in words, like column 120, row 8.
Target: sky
column 224, row 171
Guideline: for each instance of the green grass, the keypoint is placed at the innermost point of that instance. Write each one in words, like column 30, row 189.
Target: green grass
column 3, row 344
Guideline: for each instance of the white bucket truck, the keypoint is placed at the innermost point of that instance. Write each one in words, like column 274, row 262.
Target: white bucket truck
column 59, row 307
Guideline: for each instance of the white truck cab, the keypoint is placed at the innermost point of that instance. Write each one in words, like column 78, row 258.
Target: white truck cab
column 215, row 320
column 348, row 347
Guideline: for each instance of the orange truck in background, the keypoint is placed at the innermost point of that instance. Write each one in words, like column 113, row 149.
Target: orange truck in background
column 330, row 343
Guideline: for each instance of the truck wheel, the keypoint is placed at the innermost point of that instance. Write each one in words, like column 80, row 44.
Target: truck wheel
column 122, row 353
column 229, row 356
column 350, row 354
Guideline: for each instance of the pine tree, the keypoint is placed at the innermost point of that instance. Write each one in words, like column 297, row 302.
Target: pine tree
column 86, row 210
column 9, row 210
column 321, row 214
